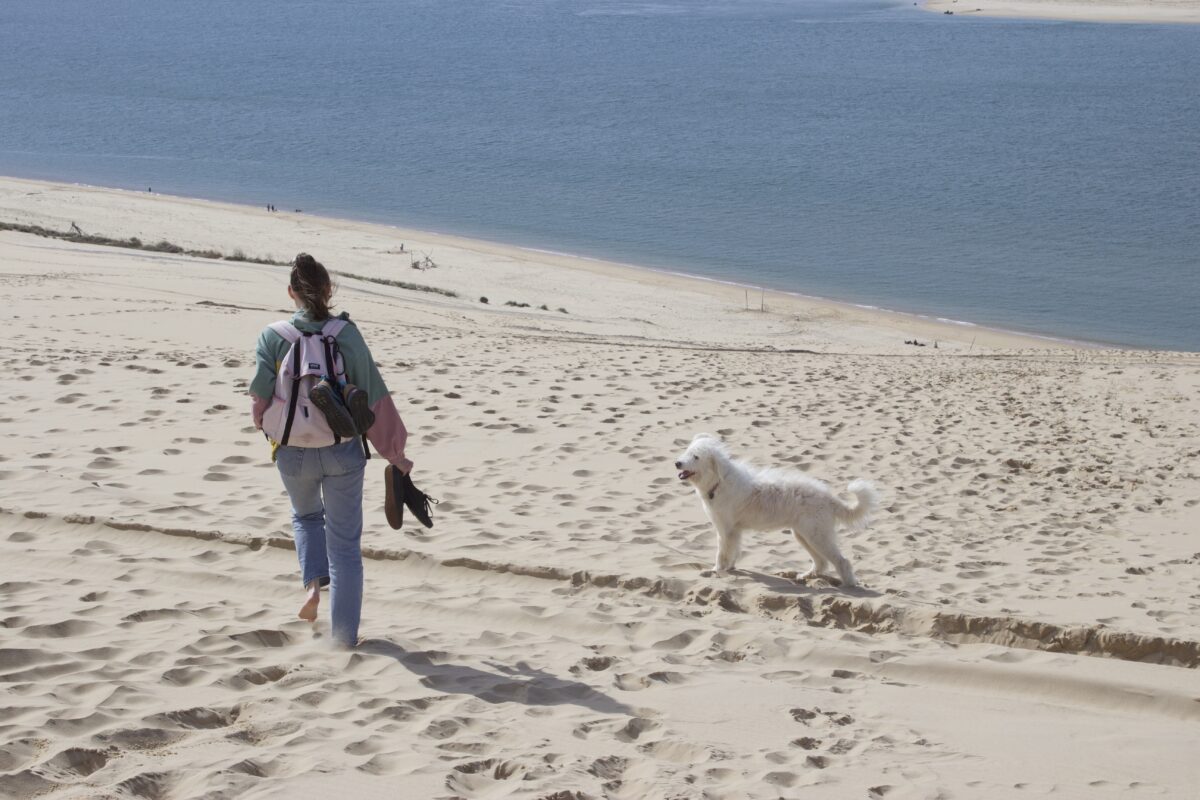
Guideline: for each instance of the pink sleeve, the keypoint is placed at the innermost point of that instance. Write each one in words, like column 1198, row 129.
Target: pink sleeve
column 258, row 407
column 388, row 435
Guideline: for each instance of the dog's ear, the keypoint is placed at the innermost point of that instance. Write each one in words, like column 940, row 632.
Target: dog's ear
column 700, row 436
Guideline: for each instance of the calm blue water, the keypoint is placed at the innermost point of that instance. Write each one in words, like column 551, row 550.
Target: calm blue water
column 1033, row 175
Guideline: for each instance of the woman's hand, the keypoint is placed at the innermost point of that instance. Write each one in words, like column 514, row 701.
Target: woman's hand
column 404, row 465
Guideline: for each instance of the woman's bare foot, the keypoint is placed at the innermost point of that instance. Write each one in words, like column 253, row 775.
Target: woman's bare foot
column 308, row 611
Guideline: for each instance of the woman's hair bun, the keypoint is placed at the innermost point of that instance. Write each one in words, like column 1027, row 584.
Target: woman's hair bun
column 311, row 284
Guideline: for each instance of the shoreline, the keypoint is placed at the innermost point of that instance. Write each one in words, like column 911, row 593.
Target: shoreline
column 929, row 326
column 1137, row 12
column 1063, row 341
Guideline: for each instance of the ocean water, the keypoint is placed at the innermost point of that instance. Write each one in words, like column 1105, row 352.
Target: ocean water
column 1031, row 175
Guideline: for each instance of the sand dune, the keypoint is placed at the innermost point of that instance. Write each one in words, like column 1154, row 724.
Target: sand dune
column 1028, row 624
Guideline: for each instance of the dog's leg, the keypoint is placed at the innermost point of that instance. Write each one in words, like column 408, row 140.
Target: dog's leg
column 849, row 579
column 728, row 545
column 734, row 550
column 818, row 562
column 828, row 549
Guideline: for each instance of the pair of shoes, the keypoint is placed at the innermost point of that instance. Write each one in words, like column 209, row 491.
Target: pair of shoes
column 400, row 492
column 345, row 408
column 327, row 397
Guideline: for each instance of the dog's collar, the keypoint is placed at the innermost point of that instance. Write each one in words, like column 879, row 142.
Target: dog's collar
column 713, row 491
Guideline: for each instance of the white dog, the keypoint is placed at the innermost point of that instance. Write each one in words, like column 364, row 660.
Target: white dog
column 738, row 497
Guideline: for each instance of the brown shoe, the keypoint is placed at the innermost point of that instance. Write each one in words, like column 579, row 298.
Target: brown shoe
column 393, row 504
column 327, row 397
column 360, row 411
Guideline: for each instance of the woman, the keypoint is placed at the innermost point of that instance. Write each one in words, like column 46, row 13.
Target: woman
column 325, row 484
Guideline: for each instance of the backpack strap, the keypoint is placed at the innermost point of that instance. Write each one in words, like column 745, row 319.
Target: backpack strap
column 287, row 330
column 330, row 345
column 330, row 331
column 331, row 353
column 287, row 428
column 333, row 327
column 290, row 333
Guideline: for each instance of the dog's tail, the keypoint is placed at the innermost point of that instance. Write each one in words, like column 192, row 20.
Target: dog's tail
column 868, row 500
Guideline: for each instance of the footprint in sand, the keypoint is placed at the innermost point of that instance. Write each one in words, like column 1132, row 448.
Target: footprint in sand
column 635, row 729
column 479, row 777
column 251, row 676
column 593, row 664
column 217, row 473
column 103, row 462
column 609, row 768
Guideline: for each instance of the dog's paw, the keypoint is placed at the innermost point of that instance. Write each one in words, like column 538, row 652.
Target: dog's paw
column 712, row 573
column 836, row 580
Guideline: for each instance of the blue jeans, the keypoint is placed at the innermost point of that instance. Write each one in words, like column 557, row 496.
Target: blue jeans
column 325, row 485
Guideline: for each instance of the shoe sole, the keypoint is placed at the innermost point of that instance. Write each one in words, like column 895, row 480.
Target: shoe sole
column 360, row 413
column 339, row 419
column 392, row 509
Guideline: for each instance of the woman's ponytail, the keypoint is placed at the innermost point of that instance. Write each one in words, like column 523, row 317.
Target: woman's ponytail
column 310, row 283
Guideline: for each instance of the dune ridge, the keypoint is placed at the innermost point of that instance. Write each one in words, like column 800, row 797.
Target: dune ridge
column 552, row 637
column 816, row 607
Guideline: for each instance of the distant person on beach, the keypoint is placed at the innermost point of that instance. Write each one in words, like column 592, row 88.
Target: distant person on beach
column 325, row 483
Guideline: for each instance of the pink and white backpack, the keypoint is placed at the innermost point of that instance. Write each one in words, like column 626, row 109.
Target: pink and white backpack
column 292, row 419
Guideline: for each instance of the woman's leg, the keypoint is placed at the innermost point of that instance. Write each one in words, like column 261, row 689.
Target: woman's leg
column 299, row 468
column 343, row 465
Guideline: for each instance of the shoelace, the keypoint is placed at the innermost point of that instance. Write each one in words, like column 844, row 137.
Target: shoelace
column 418, row 502
column 425, row 500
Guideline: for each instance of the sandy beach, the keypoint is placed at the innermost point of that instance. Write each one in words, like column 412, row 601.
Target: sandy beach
column 1137, row 11
column 1029, row 624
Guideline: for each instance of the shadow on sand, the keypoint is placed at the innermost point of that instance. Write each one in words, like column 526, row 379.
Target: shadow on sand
column 517, row 684
column 783, row 584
